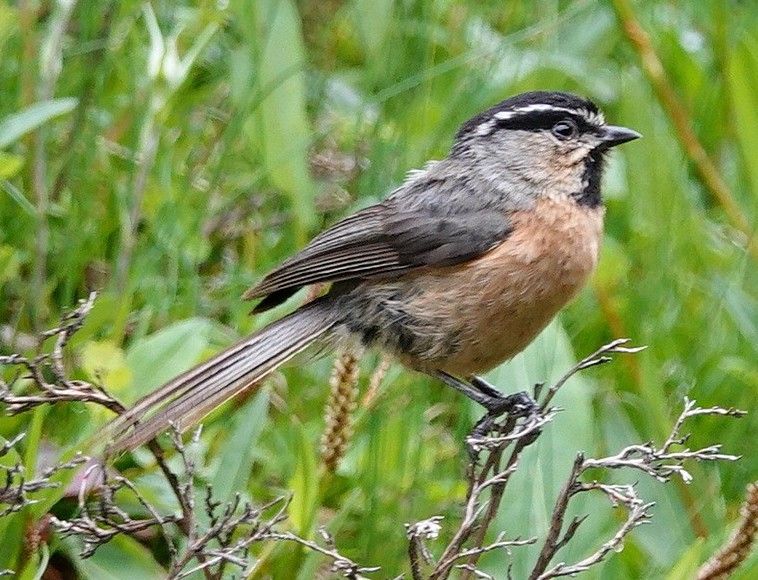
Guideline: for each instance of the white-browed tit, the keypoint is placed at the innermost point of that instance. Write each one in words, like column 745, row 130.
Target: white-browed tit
column 455, row 272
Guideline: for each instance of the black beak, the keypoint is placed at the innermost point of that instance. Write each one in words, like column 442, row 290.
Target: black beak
column 612, row 135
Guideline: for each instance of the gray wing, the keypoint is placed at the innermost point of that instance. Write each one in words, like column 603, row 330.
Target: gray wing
column 380, row 241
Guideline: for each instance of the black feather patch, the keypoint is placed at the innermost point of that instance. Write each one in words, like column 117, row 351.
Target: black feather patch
column 525, row 100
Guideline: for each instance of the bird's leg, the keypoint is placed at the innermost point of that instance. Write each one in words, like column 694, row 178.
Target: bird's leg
column 486, row 397
column 496, row 403
column 519, row 404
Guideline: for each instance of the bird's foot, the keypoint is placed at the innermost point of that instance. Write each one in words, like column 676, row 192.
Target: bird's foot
column 515, row 406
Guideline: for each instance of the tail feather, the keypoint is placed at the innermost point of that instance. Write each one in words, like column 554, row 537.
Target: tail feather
column 187, row 398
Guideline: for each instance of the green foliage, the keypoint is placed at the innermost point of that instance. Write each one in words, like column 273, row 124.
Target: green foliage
column 190, row 131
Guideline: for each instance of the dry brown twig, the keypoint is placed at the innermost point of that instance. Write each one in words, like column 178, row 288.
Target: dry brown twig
column 39, row 391
column 14, row 492
column 682, row 123
column 233, row 526
column 660, row 463
column 97, row 527
column 61, row 388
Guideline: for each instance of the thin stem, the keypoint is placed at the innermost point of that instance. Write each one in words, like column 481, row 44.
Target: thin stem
column 680, row 119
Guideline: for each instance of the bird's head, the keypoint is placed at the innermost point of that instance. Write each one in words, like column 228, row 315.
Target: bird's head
column 541, row 143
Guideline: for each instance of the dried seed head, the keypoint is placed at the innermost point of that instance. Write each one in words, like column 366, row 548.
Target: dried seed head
column 737, row 549
column 339, row 408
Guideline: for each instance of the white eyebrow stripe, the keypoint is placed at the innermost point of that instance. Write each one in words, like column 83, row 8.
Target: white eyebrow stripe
column 486, row 127
column 590, row 116
column 504, row 115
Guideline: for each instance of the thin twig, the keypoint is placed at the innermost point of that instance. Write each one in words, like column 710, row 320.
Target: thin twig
column 599, row 357
column 660, row 463
column 502, row 451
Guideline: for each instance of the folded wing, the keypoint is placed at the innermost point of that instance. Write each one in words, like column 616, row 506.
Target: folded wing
column 383, row 241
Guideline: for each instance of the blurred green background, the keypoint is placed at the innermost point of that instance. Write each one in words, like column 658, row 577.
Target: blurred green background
column 170, row 153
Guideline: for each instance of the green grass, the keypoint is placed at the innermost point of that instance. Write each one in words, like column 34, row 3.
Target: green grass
column 210, row 153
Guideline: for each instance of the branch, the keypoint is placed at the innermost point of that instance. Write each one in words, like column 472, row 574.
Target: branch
column 637, row 514
column 62, row 389
column 233, row 526
column 487, row 484
column 599, row 357
column 14, row 492
column 340, row 564
column 659, row 463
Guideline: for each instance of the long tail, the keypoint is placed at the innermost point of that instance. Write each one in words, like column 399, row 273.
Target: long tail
column 187, row 398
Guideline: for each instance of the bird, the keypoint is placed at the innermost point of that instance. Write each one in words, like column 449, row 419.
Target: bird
column 456, row 271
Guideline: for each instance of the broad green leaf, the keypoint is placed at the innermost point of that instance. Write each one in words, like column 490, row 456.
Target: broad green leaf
column 163, row 355
column 239, row 449
column 59, row 479
column 9, row 263
column 106, row 313
column 8, row 24
column 284, row 129
column 689, row 562
column 105, row 361
column 544, row 466
column 19, row 124
column 10, row 165
column 304, row 486
column 373, row 19
column 122, row 557
column 743, row 83
column 37, row 564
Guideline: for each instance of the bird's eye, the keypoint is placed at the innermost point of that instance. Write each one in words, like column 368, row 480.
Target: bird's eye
column 565, row 129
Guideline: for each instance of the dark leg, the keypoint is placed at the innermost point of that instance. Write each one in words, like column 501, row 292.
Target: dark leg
column 480, row 391
column 485, row 398
column 496, row 404
column 519, row 404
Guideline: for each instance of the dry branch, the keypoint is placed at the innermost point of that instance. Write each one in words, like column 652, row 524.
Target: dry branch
column 236, row 526
column 488, row 480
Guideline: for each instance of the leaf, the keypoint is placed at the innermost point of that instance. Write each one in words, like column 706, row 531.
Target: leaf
column 122, row 557
column 12, row 525
column 373, row 19
column 304, row 486
column 239, row 449
column 106, row 362
column 15, row 126
column 9, row 23
column 9, row 263
column 743, row 85
column 34, row 570
column 10, row 165
column 19, row 198
column 689, row 562
column 59, row 480
column 284, row 130
column 159, row 357
column 544, row 466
